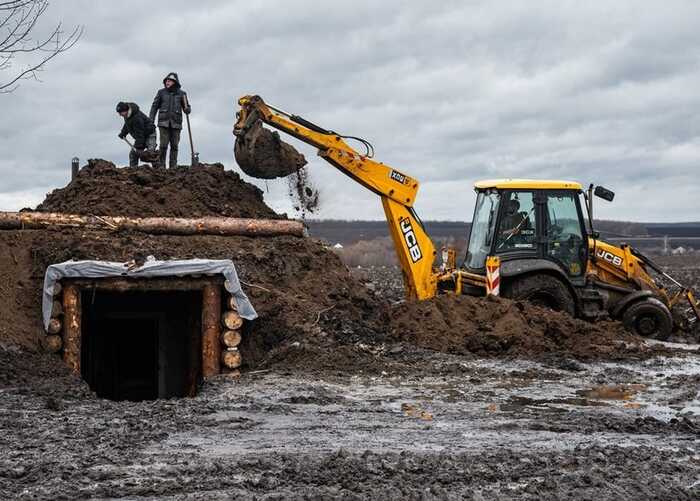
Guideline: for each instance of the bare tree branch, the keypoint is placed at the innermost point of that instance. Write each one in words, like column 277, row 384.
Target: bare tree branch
column 18, row 21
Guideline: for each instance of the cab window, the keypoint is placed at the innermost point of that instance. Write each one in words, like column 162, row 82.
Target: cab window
column 517, row 229
column 482, row 230
column 564, row 239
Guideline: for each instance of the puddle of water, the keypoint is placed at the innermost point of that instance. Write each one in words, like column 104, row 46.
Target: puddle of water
column 612, row 392
column 518, row 403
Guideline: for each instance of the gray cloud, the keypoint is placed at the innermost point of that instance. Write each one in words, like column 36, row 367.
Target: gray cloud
column 449, row 92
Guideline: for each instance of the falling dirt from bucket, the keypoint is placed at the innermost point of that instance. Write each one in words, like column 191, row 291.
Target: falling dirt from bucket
column 261, row 153
column 304, row 196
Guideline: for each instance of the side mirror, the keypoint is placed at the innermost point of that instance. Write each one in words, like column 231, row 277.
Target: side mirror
column 604, row 193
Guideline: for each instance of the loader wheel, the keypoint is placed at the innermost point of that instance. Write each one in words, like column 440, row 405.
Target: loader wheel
column 649, row 318
column 542, row 290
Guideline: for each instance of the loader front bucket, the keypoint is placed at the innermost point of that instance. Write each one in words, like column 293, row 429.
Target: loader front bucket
column 262, row 154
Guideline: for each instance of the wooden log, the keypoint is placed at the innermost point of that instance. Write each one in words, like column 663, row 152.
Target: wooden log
column 231, row 303
column 57, row 288
column 55, row 326
column 231, row 358
column 232, row 320
column 72, row 313
column 56, row 309
column 231, row 339
column 211, row 330
column 156, row 225
column 53, row 343
column 146, row 284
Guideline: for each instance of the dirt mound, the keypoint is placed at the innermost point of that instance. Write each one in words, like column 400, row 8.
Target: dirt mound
column 206, row 190
column 300, row 289
column 500, row 327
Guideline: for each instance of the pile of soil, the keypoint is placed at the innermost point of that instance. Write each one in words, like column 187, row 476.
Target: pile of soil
column 102, row 189
column 501, row 327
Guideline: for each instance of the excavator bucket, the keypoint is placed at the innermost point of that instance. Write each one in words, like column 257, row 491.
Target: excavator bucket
column 262, row 154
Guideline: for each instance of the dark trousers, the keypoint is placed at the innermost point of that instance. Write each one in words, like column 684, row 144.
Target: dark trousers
column 169, row 137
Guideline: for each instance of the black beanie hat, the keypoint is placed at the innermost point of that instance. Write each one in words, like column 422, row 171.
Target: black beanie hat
column 122, row 107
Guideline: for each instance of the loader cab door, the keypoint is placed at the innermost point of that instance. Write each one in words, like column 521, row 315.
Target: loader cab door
column 518, row 225
column 563, row 234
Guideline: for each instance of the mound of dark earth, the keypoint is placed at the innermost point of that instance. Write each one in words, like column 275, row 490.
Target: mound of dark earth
column 501, row 327
column 102, row 189
column 300, row 289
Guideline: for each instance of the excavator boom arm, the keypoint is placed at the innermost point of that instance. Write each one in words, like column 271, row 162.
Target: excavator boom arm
column 397, row 190
column 376, row 176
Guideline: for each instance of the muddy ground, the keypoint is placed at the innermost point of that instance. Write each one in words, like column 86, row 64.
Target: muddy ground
column 421, row 425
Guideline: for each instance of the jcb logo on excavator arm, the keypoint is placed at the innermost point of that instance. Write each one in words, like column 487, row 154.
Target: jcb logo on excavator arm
column 398, row 177
column 411, row 241
column 609, row 257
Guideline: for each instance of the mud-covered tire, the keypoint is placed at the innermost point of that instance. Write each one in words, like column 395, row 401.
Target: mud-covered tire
column 649, row 318
column 542, row 290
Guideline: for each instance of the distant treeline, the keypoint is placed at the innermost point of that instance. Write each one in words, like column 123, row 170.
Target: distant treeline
column 348, row 232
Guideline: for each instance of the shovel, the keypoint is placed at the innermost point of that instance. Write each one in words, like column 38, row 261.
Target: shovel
column 195, row 156
column 145, row 155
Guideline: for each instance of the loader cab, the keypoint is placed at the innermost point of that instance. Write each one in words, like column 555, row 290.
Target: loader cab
column 529, row 220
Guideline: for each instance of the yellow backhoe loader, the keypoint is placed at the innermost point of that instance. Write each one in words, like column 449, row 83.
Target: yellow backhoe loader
column 529, row 239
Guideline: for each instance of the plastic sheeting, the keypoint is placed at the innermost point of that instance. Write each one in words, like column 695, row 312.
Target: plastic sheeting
column 150, row 269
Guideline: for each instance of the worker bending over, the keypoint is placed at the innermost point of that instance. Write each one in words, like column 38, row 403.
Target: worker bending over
column 141, row 128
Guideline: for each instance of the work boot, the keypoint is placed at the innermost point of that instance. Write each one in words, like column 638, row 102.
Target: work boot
column 173, row 157
column 133, row 158
column 163, row 153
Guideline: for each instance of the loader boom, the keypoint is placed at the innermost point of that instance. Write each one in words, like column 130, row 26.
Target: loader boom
column 397, row 191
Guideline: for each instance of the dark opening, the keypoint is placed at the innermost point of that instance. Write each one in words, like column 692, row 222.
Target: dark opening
column 141, row 345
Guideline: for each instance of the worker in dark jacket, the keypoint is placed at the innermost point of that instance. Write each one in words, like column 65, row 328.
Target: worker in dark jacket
column 170, row 102
column 141, row 128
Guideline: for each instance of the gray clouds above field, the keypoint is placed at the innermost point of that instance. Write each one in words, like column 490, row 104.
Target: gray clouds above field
column 449, row 92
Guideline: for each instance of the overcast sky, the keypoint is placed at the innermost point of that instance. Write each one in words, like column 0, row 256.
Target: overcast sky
column 449, row 92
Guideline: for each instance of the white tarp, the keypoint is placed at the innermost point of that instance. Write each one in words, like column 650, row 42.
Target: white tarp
column 150, row 269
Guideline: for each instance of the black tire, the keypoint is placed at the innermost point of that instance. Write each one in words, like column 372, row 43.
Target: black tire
column 649, row 318
column 542, row 290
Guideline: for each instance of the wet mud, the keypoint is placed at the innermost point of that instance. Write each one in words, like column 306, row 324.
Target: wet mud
column 446, row 428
